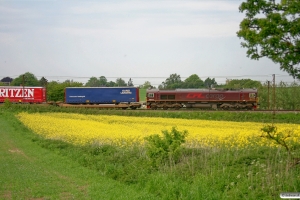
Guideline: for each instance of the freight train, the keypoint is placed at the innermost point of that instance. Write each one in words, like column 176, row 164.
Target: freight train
column 128, row 97
column 202, row 98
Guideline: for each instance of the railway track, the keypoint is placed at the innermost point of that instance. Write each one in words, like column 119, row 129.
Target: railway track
column 207, row 110
column 169, row 110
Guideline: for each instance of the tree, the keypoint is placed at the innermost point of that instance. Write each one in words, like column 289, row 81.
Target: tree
column 55, row 90
column 111, row 84
column 71, row 83
column 272, row 30
column 210, row 82
column 43, row 82
column 130, row 83
column 103, row 81
column 146, row 85
column 243, row 83
column 93, row 82
column 120, row 82
column 28, row 79
column 6, row 81
column 193, row 81
column 173, row 82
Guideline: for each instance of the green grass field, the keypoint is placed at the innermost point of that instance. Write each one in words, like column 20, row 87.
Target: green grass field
column 36, row 168
column 29, row 171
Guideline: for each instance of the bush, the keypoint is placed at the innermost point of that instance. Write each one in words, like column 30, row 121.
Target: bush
column 166, row 149
column 7, row 103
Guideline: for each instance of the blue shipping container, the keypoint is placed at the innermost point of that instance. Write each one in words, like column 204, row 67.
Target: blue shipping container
column 101, row 95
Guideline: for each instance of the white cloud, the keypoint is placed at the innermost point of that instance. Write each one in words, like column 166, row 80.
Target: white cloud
column 154, row 6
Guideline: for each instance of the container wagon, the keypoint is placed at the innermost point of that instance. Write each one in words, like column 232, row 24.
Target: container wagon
column 102, row 97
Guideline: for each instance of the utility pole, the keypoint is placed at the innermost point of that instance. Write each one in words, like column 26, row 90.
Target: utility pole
column 268, row 95
column 274, row 98
column 23, row 80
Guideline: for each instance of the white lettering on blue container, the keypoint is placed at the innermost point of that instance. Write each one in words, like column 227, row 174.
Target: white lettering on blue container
column 126, row 92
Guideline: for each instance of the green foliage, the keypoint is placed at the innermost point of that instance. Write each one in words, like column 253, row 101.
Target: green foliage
column 146, row 85
column 43, row 82
column 27, row 79
column 7, row 103
column 55, row 90
column 208, row 82
column 242, row 83
column 103, row 81
column 173, row 82
column 99, row 82
column 93, row 82
column 274, row 35
column 193, row 81
column 166, row 149
column 285, row 139
column 111, row 84
column 287, row 96
column 120, row 82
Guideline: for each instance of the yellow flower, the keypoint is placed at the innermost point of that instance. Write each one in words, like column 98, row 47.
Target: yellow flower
column 82, row 129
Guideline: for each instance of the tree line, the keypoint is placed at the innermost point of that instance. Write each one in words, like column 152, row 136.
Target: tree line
column 174, row 81
column 287, row 96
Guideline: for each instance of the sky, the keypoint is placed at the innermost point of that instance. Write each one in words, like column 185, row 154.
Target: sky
column 143, row 40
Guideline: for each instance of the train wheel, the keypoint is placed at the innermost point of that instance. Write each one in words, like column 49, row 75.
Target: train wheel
column 177, row 107
column 153, row 107
column 225, row 108
column 165, row 107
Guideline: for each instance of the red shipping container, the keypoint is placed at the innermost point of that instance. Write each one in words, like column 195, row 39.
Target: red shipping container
column 20, row 94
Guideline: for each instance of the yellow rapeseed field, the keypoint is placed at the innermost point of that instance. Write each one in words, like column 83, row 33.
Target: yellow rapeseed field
column 83, row 129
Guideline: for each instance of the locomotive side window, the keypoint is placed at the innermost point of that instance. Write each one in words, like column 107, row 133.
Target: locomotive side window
column 252, row 95
column 150, row 95
column 164, row 96
column 171, row 96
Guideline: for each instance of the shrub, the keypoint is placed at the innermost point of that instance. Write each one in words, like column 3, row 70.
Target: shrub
column 7, row 103
column 288, row 140
column 166, row 149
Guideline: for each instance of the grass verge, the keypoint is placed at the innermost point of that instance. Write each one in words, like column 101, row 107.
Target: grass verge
column 29, row 171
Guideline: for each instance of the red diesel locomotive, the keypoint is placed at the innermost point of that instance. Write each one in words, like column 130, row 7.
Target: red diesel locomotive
column 20, row 94
column 202, row 98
